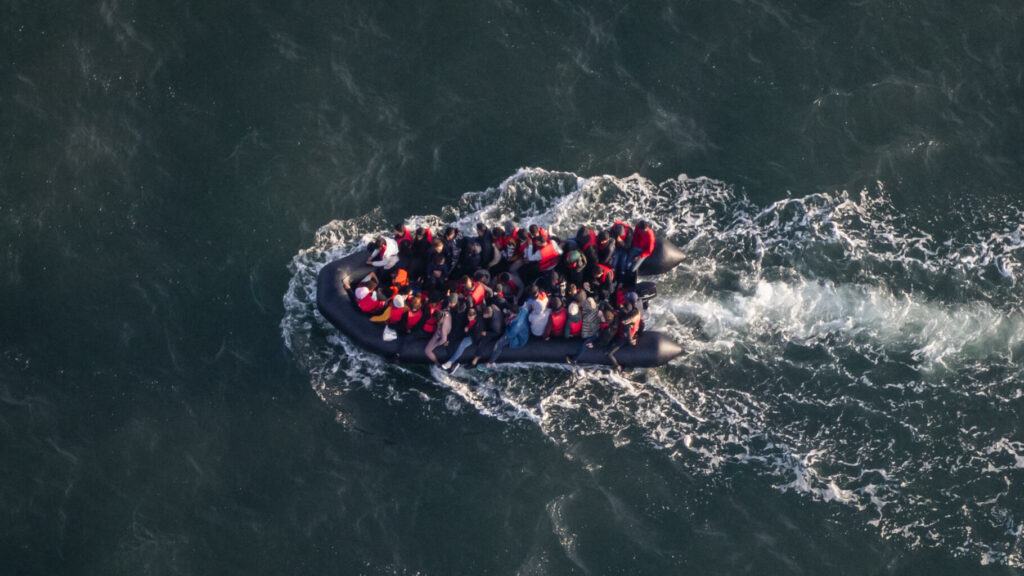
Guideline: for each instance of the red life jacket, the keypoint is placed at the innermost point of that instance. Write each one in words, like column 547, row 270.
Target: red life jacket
column 476, row 293
column 543, row 233
column 644, row 241
column 431, row 324
column 369, row 305
column 591, row 241
column 632, row 329
column 557, row 319
column 396, row 315
column 607, row 275
column 412, row 318
column 548, row 257
column 404, row 241
column 521, row 248
column 576, row 328
column 625, row 229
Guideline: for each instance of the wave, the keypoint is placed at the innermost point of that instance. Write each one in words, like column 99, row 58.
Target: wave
column 832, row 346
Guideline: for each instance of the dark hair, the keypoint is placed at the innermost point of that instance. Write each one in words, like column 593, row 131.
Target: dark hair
column 603, row 236
column 556, row 302
column 399, row 227
column 641, row 225
column 617, row 230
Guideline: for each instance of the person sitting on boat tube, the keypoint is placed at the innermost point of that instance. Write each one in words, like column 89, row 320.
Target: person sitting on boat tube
column 384, row 254
column 367, row 298
column 643, row 246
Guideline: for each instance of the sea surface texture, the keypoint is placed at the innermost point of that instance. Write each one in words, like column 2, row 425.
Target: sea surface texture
column 846, row 180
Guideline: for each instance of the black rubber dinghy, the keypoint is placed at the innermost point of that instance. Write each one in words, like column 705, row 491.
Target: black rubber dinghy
column 338, row 306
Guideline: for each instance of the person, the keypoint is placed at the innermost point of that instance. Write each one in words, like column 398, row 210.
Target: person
column 486, row 242
column 519, row 246
column 488, row 330
column 403, row 238
column 602, row 282
column 586, row 243
column 463, row 321
column 622, row 234
column 542, row 255
column 383, row 253
column 414, row 316
column 605, row 250
column 628, row 331
column 604, row 337
column 437, row 272
column 443, row 323
column 367, row 297
column 557, row 320
column 538, row 232
column 474, row 290
column 573, row 318
column 469, row 257
column 421, row 241
column 537, row 307
column 575, row 266
column 643, row 246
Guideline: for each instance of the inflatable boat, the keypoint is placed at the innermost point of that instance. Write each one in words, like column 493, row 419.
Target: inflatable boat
column 338, row 306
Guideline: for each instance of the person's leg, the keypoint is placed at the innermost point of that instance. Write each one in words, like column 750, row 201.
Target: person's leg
column 571, row 359
column 463, row 344
column 498, row 347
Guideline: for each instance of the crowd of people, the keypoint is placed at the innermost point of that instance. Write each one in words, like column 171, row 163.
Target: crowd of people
column 507, row 284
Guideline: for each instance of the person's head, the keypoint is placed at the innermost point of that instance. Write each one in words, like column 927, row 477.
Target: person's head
column 641, row 226
column 414, row 303
column 450, row 232
column 523, row 235
column 627, row 307
column 597, row 272
column 486, row 311
column 481, row 228
column 572, row 290
column 405, row 291
column 534, row 291
column 609, row 315
column 556, row 303
column 470, row 312
column 439, row 314
column 453, row 300
column 437, row 246
column 372, row 284
column 498, row 233
column 574, row 258
column 399, row 230
column 604, row 237
column 534, row 230
column 466, row 282
column 617, row 231
column 420, row 233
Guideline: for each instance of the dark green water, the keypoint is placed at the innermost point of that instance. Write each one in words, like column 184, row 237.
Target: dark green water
column 173, row 174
